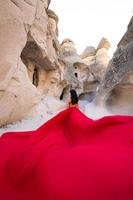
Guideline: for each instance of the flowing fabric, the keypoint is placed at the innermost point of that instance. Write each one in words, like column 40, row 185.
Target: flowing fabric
column 70, row 157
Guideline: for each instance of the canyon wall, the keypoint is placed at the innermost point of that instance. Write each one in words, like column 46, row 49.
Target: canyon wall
column 33, row 64
column 116, row 88
column 26, row 29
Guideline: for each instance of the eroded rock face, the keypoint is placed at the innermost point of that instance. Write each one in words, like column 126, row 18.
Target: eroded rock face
column 42, row 45
column 97, row 59
column 116, row 88
column 84, row 72
column 75, row 68
column 41, row 53
column 128, row 36
column 26, row 32
column 121, row 97
column 34, row 65
column 17, row 94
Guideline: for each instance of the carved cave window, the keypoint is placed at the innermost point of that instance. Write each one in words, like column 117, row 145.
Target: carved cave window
column 36, row 77
column 76, row 75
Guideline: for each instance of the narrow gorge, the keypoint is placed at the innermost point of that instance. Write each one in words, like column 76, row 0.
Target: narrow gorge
column 35, row 67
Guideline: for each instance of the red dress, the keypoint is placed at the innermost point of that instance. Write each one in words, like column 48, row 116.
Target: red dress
column 70, row 157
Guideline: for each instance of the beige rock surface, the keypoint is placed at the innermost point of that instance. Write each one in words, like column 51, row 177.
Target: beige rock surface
column 128, row 36
column 84, row 72
column 74, row 66
column 34, row 65
column 21, row 22
column 97, row 61
column 116, row 88
column 41, row 54
column 104, row 43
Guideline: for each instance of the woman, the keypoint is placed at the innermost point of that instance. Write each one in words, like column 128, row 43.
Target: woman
column 73, row 100
column 70, row 157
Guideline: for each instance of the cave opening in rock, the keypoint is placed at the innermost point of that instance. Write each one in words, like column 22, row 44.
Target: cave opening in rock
column 62, row 94
column 76, row 75
column 35, row 76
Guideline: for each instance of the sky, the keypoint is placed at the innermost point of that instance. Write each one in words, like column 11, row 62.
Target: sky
column 87, row 21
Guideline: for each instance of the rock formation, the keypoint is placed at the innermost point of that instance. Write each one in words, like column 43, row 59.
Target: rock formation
column 41, row 54
column 116, row 88
column 24, row 25
column 84, row 72
column 34, row 65
column 97, row 60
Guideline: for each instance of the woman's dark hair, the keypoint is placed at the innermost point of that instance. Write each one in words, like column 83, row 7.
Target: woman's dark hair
column 74, row 97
